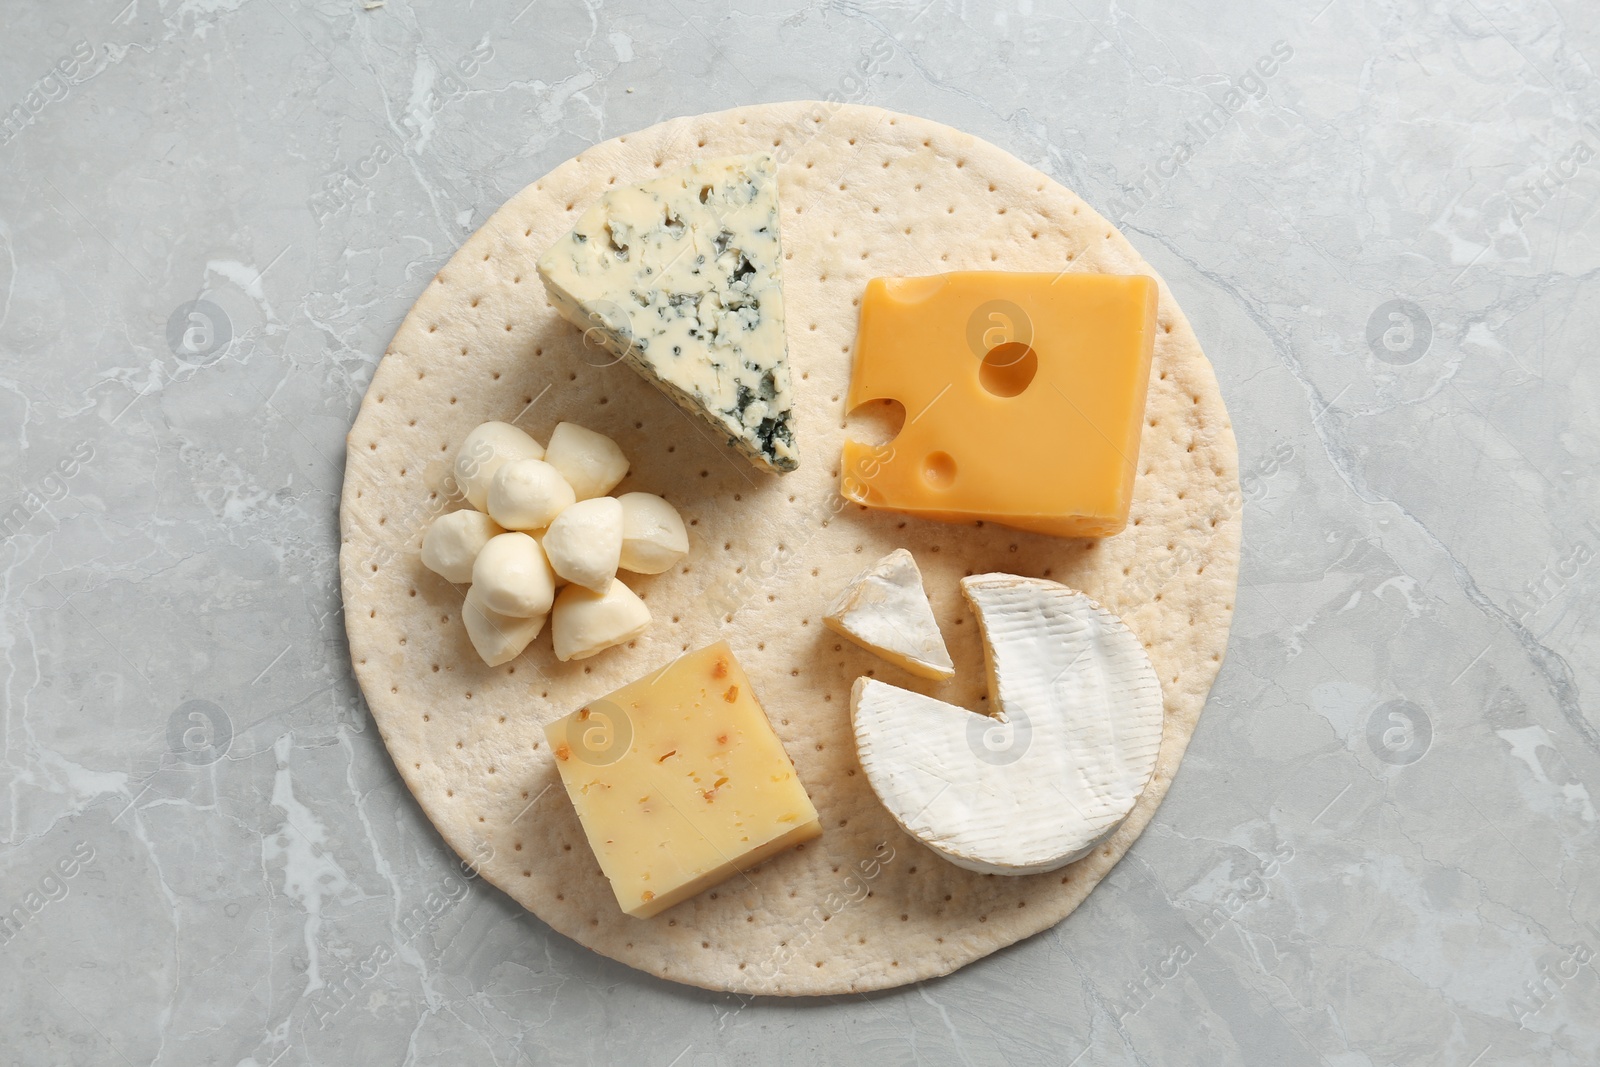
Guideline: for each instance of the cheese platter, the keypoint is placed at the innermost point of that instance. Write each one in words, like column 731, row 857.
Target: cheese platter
column 883, row 513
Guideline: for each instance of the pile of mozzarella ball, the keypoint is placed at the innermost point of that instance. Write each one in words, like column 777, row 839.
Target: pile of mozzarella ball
column 543, row 523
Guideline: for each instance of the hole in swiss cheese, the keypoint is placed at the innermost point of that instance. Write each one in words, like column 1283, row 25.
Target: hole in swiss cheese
column 1008, row 369
column 939, row 470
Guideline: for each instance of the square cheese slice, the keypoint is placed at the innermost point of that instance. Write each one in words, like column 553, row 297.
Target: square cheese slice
column 1024, row 397
column 680, row 782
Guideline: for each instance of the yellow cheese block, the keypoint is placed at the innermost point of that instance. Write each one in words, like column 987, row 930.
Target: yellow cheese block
column 1023, row 394
column 679, row 781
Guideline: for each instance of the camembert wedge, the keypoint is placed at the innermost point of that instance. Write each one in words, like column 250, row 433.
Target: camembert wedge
column 680, row 277
column 885, row 610
column 1061, row 764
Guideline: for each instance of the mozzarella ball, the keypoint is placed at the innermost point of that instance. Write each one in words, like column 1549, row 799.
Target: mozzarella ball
column 653, row 537
column 527, row 493
column 584, row 542
column 539, row 537
column 453, row 542
column 498, row 638
column 584, row 622
column 512, row 576
column 483, row 452
column 590, row 462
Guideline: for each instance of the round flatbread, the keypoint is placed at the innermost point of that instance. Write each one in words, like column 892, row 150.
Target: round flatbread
column 864, row 193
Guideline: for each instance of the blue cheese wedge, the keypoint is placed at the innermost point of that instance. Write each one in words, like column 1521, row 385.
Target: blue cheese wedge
column 680, row 277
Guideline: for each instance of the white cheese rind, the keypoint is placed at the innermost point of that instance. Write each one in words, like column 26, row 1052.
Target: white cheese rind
column 1061, row 764
column 885, row 610
column 681, row 278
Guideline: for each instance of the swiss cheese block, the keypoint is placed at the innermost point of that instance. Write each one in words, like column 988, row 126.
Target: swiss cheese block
column 1024, row 397
column 679, row 781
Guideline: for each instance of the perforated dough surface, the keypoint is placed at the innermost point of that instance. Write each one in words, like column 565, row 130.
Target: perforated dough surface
column 864, row 193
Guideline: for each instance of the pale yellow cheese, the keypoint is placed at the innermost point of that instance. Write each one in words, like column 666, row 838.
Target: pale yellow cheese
column 679, row 781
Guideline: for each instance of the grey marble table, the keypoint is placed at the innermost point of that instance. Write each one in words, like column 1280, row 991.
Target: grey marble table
column 1382, row 848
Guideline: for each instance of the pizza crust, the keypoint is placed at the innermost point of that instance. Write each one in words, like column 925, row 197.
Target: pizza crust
column 864, row 192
